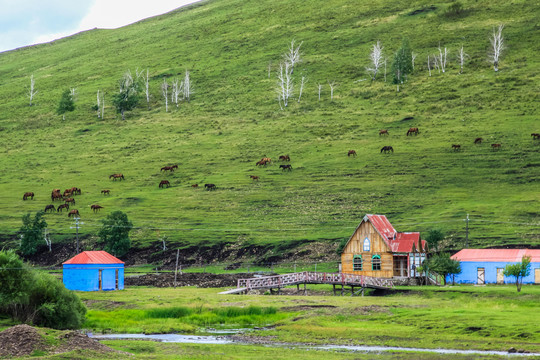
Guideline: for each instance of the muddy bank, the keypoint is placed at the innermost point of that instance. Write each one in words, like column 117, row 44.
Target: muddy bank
column 186, row 279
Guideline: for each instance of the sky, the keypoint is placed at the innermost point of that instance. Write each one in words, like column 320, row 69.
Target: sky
column 28, row 22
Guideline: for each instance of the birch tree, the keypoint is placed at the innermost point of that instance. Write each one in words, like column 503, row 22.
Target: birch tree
column 402, row 64
column 442, row 58
column 100, row 104
column 176, row 89
column 497, row 46
column 332, row 85
column 413, row 57
column 128, row 94
column 31, row 90
column 429, row 65
column 284, row 86
column 462, row 55
column 187, row 88
column 376, row 58
column 293, row 56
column 164, row 92
column 145, row 77
column 320, row 87
column 304, row 80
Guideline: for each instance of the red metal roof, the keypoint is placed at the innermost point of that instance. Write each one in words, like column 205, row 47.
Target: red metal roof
column 496, row 255
column 94, row 257
column 383, row 226
column 404, row 242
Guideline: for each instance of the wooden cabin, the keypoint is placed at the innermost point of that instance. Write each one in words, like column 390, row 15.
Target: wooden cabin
column 377, row 249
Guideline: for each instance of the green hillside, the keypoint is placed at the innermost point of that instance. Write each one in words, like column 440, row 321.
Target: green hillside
column 233, row 120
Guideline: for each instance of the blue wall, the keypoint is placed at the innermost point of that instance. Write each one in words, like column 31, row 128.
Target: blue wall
column 86, row 277
column 469, row 273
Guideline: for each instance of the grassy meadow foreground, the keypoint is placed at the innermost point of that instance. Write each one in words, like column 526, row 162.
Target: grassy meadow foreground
column 232, row 48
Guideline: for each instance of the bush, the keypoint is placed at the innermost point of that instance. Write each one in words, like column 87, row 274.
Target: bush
column 37, row 298
column 455, row 10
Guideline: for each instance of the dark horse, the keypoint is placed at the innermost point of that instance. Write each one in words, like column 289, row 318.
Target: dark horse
column 50, row 208
column 386, row 149
column 254, row 177
column 56, row 195
column 284, row 158
column 73, row 212
column 210, row 186
column 285, row 167
column 413, row 130
column 96, row 208
column 478, row 140
column 535, row 136
column 164, row 183
column 351, row 152
column 383, row 132
column 495, row 146
column 70, row 200
column 106, row 192
column 28, row 195
column 62, row 207
column 456, row 147
column 116, row 176
column 169, row 168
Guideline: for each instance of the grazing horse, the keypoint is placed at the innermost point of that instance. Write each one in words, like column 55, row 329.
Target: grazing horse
column 106, row 192
column 73, row 212
column 56, row 195
column 195, row 185
column 96, row 208
column 285, row 167
column 386, row 149
column 383, row 132
column 351, row 152
column 116, row 176
column 263, row 162
column 70, row 200
column 50, row 208
column 164, row 183
column 210, row 186
column 456, row 147
column 75, row 191
column 535, row 136
column 413, row 130
column 254, row 177
column 495, row 146
column 67, row 192
column 169, row 168
column 478, row 140
column 61, row 207
column 284, row 158
column 28, row 195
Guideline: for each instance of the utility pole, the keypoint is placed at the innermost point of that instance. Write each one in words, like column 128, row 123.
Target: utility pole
column 77, row 223
column 467, row 232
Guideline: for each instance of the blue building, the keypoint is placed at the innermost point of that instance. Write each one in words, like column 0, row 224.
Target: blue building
column 93, row 271
column 486, row 266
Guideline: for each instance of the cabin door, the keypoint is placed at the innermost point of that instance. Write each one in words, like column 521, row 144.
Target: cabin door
column 500, row 276
column 116, row 280
column 481, row 276
column 100, row 281
column 537, row 276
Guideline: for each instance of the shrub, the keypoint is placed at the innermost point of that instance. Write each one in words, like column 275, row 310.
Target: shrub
column 455, row 10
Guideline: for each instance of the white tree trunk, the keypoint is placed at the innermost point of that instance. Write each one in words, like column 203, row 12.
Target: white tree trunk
column 332, row 85
column 285, row 85
column 98, row 105
column 442, row 58
column 31, row 91
column 462, row 55
column 414, row 55
column 376, row 58
column 187, row 89
column 164, row 92
column 302, row 87
column 429, row 65
column 497, row 46
column 320, row 87
column 293, row 55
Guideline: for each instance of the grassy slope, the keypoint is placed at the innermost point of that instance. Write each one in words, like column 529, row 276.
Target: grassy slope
column 233, row 120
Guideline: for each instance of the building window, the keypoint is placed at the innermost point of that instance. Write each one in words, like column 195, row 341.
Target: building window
column 357, row 263
column 376, row 262
column 366, row 244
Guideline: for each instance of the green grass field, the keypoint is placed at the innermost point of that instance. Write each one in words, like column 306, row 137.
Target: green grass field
column 233, row 120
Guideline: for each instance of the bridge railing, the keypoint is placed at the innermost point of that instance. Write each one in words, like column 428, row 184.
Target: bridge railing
column 277, row 281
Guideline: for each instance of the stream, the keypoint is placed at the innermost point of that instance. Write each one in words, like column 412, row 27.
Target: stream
column 224, row 339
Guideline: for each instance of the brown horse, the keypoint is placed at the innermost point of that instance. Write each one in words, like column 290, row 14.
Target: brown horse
column 284, row 158
column 413, row 130
column 195, row 185
column 495, row 146
column 75, row 191
column 263, row 162
column 56, row 195
column 285, row 167
column 254, row 177
column 73, row 212
column 456, row 147
column 50, row 208
column 62, row 207
column 210, row 186
column 106, row 192
column 383, row 132
column 535, row 136
column 70, row 201
column 164, row 183
column 351, row 152
column 478, row 140
column 95, row 208
column 386, row 149
column 117, row 176
column 169, row 168
column 67, row 193
column 28, row 195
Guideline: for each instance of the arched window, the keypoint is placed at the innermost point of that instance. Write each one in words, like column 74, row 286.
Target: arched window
column 366, row 244
column 376, row 262
column 357, row 263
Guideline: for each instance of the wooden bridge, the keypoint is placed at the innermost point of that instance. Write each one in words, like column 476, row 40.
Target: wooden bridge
column 335, row 279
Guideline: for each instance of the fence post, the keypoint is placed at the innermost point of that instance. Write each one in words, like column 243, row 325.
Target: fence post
column 315, row 267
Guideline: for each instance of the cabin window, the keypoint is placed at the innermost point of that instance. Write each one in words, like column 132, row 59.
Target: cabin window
column 376, row 262
column 366, row 244
column 357, row 263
